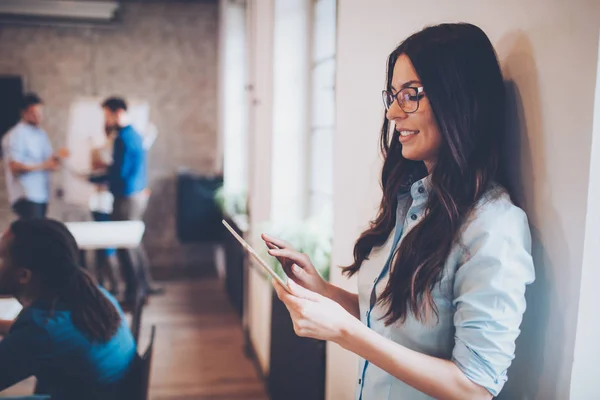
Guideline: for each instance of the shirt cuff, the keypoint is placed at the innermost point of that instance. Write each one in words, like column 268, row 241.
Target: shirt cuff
column 477, row 369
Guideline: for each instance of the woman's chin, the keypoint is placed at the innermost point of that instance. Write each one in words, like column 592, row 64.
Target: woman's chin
column 410, row 154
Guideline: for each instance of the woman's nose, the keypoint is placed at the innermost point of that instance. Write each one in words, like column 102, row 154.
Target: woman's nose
column 395, row 112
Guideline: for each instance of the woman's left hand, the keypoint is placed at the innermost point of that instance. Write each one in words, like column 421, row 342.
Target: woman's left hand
column 313, row 315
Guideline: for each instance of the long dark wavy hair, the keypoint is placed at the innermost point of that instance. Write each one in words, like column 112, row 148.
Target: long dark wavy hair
column 458, row 68
column 48, row 249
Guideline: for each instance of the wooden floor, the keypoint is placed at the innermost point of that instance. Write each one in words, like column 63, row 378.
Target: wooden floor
column 198, row 351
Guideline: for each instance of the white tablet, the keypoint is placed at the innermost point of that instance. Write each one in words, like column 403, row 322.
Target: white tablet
column 255, row 255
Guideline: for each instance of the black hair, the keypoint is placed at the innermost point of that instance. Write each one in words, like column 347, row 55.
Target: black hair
column 115, row 104
column 30, row 99
column 49, row 250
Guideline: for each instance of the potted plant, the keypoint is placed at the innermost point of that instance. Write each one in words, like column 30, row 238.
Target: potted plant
column 231, row 203
column 309, row 237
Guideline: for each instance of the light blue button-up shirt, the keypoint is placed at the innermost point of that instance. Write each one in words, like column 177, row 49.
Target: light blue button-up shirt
column 480, row 297
column 28, row 145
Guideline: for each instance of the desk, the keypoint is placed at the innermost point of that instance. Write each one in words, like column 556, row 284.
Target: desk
column 94, row 235
column 9, row 308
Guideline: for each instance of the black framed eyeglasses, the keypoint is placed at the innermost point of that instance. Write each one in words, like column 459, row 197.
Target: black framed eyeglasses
column 407, row 98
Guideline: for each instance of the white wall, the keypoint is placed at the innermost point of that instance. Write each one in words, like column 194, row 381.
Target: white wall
column 260, row 37
column 546, row 49
column 584, row 384
column 260, row 49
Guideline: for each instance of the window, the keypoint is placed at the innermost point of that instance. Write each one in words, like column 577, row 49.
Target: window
column 233, row 98
column 322, row 121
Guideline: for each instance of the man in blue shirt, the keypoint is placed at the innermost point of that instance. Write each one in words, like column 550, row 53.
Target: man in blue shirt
column 71, row 335
column 28, row 161
column 127, row 181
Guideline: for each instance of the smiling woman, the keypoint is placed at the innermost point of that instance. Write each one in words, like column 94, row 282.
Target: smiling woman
column 440, row 317
column 419, row 135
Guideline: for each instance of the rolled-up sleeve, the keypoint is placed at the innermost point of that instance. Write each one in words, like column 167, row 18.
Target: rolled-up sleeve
column 14, row 147
column 489, row 296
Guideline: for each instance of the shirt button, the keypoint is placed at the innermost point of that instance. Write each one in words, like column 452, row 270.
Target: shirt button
column 359, row 381
column 421, row 190
column 413, row 217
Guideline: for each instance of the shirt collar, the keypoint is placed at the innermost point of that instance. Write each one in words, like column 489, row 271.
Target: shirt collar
column 417, row 176
column 45, row 303
column 29, row 126
column 421, row 188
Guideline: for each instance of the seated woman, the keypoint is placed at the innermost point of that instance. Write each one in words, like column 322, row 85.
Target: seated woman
column 71, row 335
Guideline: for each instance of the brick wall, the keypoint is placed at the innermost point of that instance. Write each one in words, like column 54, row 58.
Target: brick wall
column 165, row 54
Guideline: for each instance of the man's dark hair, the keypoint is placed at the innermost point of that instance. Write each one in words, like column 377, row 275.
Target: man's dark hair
column 30, row 99
column 115, row 104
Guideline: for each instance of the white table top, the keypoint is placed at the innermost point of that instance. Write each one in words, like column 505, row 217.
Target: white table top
column 9, row 308
column 94, row 235
column 89, row 236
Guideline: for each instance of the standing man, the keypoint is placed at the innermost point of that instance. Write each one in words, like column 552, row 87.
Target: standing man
column 28, row 161
column 127, row 182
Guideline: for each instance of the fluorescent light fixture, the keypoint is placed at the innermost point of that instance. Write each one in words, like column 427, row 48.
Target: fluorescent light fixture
column 67, row 10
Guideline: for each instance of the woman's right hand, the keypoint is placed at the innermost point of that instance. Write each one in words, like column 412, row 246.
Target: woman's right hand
column 296, row 265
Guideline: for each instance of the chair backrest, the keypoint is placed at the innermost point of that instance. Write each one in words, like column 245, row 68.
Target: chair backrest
column 146, row 366
column 136, row 319
column 137, row 385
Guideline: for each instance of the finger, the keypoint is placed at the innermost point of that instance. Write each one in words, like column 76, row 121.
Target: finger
column 280, row 290
column 276, row 241
column 287, row 268
column 296, row 316
column 299, row 272
column 271, row 245
column 295, row 256
column 291, row 301
column 302, row 293
column 302, row 326
column 298, row 330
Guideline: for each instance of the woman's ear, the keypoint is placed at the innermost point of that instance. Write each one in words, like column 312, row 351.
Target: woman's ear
column 24, row 276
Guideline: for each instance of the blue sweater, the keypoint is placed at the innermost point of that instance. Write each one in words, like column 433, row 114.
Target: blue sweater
column 65, row 362
column 127, row 174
